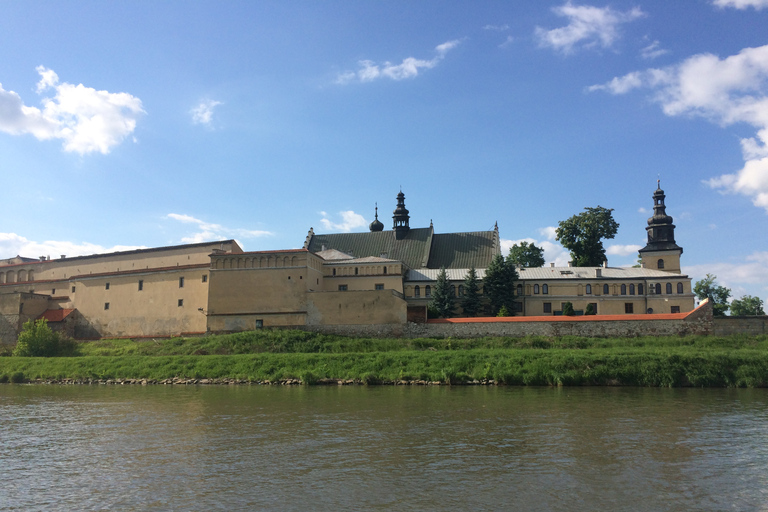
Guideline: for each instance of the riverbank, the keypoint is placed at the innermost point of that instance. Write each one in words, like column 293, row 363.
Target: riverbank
column 296, row 357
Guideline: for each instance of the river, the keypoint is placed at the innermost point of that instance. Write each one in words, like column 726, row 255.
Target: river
column 132, row 448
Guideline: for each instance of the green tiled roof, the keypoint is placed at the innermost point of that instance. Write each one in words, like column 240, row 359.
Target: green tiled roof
column 420, row 248
column 463, row 250
column 413, row 250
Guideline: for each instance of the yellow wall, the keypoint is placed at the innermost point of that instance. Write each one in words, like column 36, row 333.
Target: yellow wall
column 356, row 307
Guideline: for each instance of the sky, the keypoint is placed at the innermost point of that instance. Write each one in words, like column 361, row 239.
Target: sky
column 130, row 124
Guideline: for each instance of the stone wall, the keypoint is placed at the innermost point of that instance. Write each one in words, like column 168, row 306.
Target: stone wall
column 698, row 321
column 726, row 325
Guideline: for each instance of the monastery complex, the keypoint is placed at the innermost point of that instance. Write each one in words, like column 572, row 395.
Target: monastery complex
column 371, row 278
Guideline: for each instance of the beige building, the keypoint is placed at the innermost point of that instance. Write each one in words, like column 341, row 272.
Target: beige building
column 377, row 277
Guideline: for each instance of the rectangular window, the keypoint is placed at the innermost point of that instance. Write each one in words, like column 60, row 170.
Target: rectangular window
column 547, row 307
column 53, row 292
column 73, row 289
column 379, row 287
column 106, row 306
column 629, row 308
column 107, row 286
column 594, row 307
column 181, row 302
column 181, row 282
column 675, row 309
column 259, row 324
column 141, row 284
column 342, row 287
column 205, row 278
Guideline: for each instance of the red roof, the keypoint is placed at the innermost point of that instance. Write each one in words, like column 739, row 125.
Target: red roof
column 55, row 315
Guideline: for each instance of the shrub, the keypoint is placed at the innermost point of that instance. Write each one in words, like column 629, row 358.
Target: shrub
column 4, row 378
column 568, row 309
column 18, row 377
column 38, row 340
column 503, row 311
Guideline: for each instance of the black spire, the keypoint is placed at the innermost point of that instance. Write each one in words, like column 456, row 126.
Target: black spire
column 376, row 225
column 400, row 217
column 661, row 231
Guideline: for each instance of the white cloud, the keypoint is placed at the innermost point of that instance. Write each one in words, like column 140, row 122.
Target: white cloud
column 622, row 250
column 741, row 4
column 549, row 232
column 587, row 27
column 349, row 221
column 642, row 210
column 724, row 91
column 210, row 232
column 652, row 51
column 203, row 112
column 500, row 28
column 508, row 41
column 409, row 68
column 86, row 120
column 12, row 244
column 749, row 276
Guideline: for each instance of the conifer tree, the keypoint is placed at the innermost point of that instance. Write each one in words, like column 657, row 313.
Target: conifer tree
column 470, row 303
column 499, row 284
column 442, row 299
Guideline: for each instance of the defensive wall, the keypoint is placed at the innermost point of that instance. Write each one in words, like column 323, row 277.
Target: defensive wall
column 698, row 321
column 726, row 325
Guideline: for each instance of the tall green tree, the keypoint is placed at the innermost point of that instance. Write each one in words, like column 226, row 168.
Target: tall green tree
column 470, row 303
column 442, row 298
column 526, row 255
column 499, row 284
column 747, row 305
column 582, row 235
column 708, row 288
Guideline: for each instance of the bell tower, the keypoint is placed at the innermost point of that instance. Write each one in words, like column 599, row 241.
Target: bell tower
column 400, row 218
column 661, row 252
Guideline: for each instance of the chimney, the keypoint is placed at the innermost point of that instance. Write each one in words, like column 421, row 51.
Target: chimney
column 63, row 256
column 552, row 265
column 323, row 247
column 570, row 264
column 598, row 272
column 605, row 264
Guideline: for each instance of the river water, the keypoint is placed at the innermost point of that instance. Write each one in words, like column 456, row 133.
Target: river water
column 231, row 448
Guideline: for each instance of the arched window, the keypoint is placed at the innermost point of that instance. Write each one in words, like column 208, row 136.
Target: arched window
column 519, row 290
column 660, row 263
column 669, row 288
column 427, row 291
column 461, row 290
column 606, row 290
column 658, row 288
column 640, row 289
column 385, row 270
column 355, row 270
column 623, row 289
column 536, row 289
column 545, row 289
column 453, row 290
column 679, row 287
column 334, row 271
column 632, row 289
column 416, row 291
column 589, row 289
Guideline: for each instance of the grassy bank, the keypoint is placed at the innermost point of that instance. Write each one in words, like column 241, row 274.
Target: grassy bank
column 278, row 355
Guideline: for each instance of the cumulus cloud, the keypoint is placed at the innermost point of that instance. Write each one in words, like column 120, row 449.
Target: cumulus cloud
column 588, row 26
column 748, row 276
column 203, row 112
column 741, row 4
column 208, row 232
column 724, row 91
column 12, row 245
column 409, row 68
column 622, row 250
column 349, row 221
column 85, row 119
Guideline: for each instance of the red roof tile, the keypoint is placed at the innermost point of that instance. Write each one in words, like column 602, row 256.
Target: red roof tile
column 55, row 315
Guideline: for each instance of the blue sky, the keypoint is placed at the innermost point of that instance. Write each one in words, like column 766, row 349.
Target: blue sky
column 142, row 124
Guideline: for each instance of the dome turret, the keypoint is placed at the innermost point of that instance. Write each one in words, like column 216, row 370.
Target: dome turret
column 376, row 225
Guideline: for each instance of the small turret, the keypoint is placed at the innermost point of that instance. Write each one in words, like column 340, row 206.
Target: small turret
column 376, row 225
column 401, row 218
column 661, row 252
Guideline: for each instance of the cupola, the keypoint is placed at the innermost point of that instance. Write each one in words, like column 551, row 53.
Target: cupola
column 376, row 225
column 401, row 218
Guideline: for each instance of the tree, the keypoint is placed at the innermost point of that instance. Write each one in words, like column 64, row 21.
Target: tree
column 442, row 298
column 470, row 303
column 708, row 288
column 582, row 235
column 499, row 284
column 747, row 305
column 590, row 309
column 568, row 309
column 36, row 339
column 526, row 255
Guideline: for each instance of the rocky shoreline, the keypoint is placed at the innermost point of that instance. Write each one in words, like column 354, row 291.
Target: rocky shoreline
column 178, row 381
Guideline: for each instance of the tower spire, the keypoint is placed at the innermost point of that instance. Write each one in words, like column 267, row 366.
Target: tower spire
column 401, row 218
